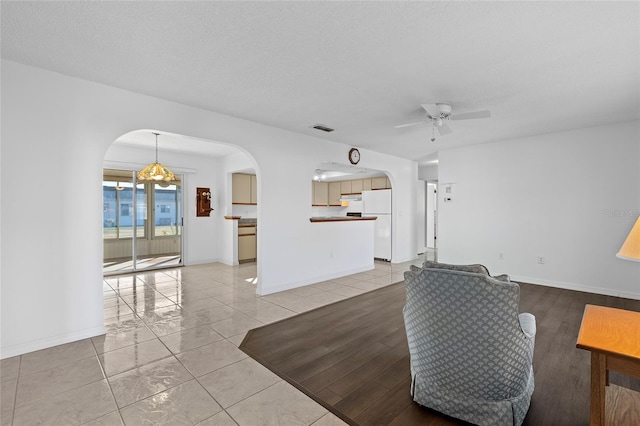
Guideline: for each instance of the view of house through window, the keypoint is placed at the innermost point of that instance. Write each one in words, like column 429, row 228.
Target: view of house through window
column 151, row 211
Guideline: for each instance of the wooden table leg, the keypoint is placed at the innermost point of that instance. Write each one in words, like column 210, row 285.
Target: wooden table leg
column 598, row 390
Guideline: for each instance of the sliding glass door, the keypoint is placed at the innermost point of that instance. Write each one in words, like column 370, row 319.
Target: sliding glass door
column 149, row 211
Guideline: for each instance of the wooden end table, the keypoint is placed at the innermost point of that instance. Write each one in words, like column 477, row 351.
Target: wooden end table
column 613, row 337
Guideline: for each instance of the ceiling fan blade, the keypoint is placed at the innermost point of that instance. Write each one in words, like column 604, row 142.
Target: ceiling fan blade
column 415, row 123
column 471, row 115
column 432, row 109
column 444, row 129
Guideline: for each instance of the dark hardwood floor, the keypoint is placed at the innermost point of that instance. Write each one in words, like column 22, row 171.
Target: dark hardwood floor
column 352, row 357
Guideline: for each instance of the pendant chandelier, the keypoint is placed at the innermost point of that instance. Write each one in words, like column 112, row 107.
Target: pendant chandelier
column 156, row 171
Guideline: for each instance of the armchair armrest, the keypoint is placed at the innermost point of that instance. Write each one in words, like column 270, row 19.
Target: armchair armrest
column 528, row 324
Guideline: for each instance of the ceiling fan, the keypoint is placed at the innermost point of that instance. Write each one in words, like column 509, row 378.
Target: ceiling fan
column 439, row 114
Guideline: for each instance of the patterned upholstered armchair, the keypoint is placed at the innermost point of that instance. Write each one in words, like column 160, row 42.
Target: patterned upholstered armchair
column 471, row 353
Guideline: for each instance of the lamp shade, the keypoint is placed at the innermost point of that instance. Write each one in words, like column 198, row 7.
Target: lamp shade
column 630, row 250
column 156, row 172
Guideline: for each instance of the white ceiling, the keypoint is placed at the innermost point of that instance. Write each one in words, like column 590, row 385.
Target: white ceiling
column 359, row 67
column 171, row 142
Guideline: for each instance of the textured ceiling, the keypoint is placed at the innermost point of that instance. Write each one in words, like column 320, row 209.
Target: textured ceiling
column 359, row 67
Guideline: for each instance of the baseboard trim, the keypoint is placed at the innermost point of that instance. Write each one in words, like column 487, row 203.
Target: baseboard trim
column 576, row 287
column 36, row 345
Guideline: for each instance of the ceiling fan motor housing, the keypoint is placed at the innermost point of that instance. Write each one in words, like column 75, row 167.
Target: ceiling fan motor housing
column 445, row 110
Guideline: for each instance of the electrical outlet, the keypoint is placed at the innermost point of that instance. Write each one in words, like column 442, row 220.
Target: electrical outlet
column 501, row 255
column 540, row 260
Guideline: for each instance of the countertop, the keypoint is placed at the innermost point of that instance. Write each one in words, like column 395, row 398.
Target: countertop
column 340, row 218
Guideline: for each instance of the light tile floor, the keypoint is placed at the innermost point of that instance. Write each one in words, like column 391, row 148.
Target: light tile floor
column 170, row 354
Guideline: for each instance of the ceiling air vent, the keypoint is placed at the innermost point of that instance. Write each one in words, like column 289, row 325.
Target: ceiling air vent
column 323, row 128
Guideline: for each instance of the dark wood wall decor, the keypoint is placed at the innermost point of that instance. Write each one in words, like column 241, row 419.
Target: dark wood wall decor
column 203, row 202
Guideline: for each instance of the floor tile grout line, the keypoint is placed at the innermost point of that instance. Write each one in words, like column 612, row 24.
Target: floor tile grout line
column 214, row 398
column 15, row 392
column 104, row 373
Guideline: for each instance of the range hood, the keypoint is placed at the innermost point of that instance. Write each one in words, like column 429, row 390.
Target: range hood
column 351, row 197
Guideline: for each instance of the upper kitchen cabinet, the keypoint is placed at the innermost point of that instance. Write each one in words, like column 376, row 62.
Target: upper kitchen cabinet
column 356, row 186
column 334, row 194
column 366, row 184
column 320, row 193
column 350, row 187
column 380, row 183
column 345, row 187
column 254, row 189
column 244, row 188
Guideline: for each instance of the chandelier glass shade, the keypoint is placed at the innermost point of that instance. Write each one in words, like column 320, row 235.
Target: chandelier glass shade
column 156, row 172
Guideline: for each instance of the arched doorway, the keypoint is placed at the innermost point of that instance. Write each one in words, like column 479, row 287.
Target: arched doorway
column 150, row 225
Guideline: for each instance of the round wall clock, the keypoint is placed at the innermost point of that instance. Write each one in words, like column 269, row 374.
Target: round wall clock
column 354, row 155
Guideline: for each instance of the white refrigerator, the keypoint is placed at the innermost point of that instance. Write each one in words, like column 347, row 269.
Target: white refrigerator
column 378, row 203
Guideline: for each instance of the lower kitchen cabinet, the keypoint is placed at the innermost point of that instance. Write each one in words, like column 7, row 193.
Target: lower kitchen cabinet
column 247, row 248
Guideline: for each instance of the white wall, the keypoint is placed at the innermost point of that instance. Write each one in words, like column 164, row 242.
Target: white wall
column 571, row 197
column 428, row 172
column 65, row 126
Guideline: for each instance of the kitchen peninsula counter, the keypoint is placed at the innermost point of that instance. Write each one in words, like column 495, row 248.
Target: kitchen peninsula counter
column 340, row 218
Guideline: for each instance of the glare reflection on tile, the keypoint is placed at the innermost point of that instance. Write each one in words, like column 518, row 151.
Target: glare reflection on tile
column 195, row 303
column 174, row 325
column 185, row 404
column 134, row 385
column 190, row 339
column 124, row 359
column 122, row 338
column 150, row 305
column 165, row 313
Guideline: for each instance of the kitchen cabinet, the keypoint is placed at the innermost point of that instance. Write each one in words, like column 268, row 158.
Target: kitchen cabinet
column 356, row 186
column 329, row 193
column 366, row 184
column 247, row 247
column 345, row 187
column 320, row 193
column 244, row 189
column 380, row 183
column 254, row 189
column 334, row 194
